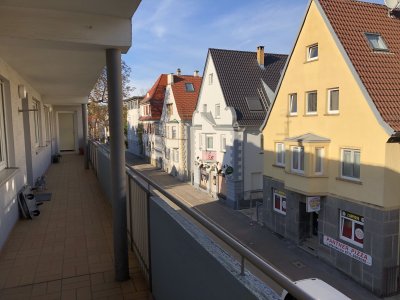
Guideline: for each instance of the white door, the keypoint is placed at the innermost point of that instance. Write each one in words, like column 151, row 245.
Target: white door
column 66, row 131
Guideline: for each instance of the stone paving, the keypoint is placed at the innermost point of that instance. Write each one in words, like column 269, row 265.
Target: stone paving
column 66, row 252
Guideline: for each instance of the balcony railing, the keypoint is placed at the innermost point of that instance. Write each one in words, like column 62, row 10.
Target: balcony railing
column 141, row 195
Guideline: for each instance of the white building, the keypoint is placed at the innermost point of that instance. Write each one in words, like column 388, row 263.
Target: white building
column 134, row 132
column 236, row 92
column 173, row 136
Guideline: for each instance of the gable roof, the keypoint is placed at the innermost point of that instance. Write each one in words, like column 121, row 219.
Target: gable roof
column 155, row 97
column 186, row 101
column 379, row 71
column 240, row 76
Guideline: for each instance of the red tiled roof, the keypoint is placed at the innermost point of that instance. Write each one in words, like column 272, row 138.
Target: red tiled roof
column 156, row 98
column 186, row 101
column 379, row 71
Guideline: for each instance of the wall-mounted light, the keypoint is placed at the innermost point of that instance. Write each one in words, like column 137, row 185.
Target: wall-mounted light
column 21, row 91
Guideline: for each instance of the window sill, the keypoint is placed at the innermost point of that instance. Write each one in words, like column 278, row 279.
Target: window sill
column 7, row 174
column 356, row 181
column 310, row 60
column 311, row 115
column 332, row 114
column 278, row 166
column 292, row 115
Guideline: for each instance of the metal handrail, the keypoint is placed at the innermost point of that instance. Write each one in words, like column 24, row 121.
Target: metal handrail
column 244, row 252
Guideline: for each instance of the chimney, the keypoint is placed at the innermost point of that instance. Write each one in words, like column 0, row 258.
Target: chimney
column 260, row 55
column 196, row 73
column 170, row 79
column 178, row 72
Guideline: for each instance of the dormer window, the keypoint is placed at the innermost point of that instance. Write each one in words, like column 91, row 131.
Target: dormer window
column 189, row 87
column 376, row 42
column 312, row 52
column 254, row 104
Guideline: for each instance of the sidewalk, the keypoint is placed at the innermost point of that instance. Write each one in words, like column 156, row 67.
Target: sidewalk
column 284, row 255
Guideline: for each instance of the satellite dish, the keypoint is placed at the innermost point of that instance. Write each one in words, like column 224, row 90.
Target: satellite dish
column 392, row 4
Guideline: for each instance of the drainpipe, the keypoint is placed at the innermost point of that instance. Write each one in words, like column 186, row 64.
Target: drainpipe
column 117, row 162
column 85, row 135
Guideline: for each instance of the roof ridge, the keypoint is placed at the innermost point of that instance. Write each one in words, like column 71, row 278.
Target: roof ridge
column 246, row 51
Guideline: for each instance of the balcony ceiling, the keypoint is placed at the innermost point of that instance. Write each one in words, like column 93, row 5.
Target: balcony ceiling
column 58, row 47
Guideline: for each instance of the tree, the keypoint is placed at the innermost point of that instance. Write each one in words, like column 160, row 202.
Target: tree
column 98, row 107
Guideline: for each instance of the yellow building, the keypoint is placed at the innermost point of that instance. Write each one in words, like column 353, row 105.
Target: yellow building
column 331, row 140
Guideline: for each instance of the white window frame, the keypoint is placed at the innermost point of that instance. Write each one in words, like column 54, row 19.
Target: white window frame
column 174, row 132
column 176, row 155
column 217, row 111
column 223, row 143
column 291, row 97
column 47, row 123
column 309, row 51
column 329, row 101
column 352, row 151
column 382, row 44
column 200, row 141
column 297, row 150
column 211, row 137
column 37, row 123
column 321, row 158
column 282, row 202
column 280, row 154
column 316, row 109
column 354, row 223
column 3, row 136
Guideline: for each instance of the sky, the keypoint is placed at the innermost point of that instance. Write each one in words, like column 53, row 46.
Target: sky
column 171, row 34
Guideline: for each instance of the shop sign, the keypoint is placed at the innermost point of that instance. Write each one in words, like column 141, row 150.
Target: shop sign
column 209, row 155
column 347, row 250
column 313, row 203
column 352, row 216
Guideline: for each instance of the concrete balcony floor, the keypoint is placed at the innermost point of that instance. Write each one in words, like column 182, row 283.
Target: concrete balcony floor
column 67, row 252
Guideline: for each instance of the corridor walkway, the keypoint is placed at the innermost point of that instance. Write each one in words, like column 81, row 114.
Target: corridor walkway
column 67, row 252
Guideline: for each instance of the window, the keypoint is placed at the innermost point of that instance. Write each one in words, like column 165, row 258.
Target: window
column 204, row 107
column 173, row 132
column 280, row 154
column 352, row 228
column 311, row 105
column 200, row 141
column 209, row 142
column 37, row 123
column 319, row 159
column 376, row 42
column 279, row 202
column 217, row 110
column 223, row 142
column 47, row 123
column 3, row 152
column 312, row 52
column 254, row 104
column 176, row 155
column 210, row 78
column 333, row 101
column 189, row 87
column 298, row 159
column 293, row 104
column 170, row 109
column 350, row 164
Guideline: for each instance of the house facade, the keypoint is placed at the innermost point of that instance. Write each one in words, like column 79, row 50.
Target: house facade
column 173, row 136
column 331, row 168
column 236, row 92
column 134, row 130
column 150, row 109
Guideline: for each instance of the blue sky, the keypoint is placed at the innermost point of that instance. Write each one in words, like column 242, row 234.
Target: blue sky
column 171, row 34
